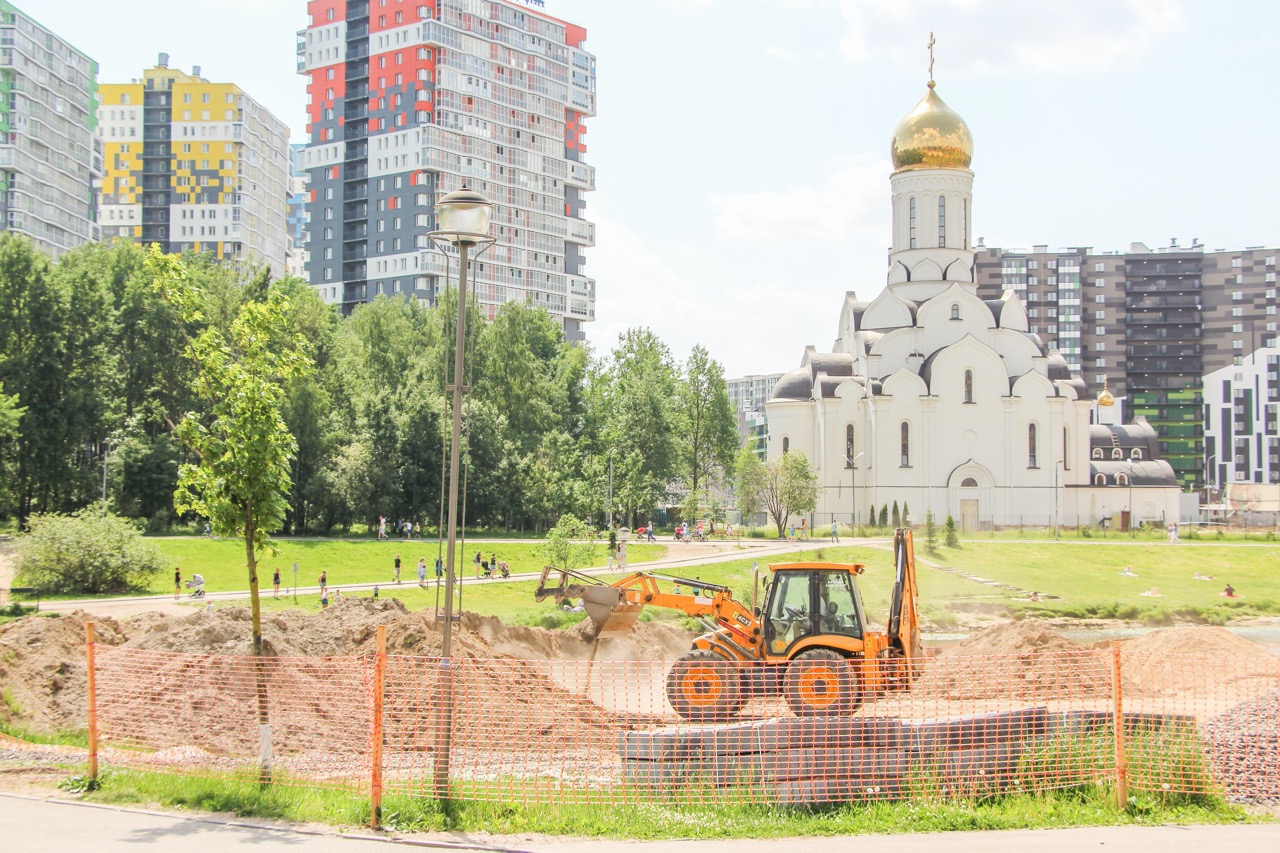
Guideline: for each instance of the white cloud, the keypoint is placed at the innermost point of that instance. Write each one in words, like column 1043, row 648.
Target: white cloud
column 780, row 53
column 996, row 36
column 850, row 203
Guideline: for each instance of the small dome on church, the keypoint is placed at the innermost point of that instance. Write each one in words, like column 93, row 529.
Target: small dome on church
column 931, row 136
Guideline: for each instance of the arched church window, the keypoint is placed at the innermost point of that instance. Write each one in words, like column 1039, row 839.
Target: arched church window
column 1097, row 453
column 906, row 445
column 968, row 380
column 1100, row 480
column 1031, row 446
column 955, row 310
column 786, row 444
column 1122, row 479
column 911, row 205
column 1117, row 453
column 968, row 483
column 1135, row 453
column 942, row 221
column 848, row 446
column 964, row 207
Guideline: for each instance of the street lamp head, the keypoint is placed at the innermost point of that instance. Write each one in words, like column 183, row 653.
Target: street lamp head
column 462, row 217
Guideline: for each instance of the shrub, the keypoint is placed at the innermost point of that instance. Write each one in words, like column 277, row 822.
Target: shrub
column 85, row 553
column 953, row 539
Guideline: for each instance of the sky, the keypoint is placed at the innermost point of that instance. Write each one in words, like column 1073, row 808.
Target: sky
column 741, row 146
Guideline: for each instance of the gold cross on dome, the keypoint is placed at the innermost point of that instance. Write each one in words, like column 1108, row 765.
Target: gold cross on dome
column 932, row 42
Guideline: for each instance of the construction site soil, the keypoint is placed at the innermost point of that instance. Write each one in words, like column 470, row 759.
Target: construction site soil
column 43, row 683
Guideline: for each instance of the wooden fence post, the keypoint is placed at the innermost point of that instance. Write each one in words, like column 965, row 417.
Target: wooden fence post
column 93, row 702
column 379, row 681
column 1122, row 769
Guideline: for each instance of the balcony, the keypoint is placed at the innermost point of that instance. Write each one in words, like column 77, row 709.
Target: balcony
column 581, row 232
column 582, row 176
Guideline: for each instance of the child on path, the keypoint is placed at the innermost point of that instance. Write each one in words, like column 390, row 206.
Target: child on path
column 275, row 583
column 395, row 575
column 835, row 531
column 177, row 582
column 422, row 571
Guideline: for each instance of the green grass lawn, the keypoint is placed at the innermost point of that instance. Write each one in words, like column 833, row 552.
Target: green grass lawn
column 1084, row 579
column 222, row 561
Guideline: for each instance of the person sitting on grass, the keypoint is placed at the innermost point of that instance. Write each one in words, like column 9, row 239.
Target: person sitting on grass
column 1128, row 572
column 1228, row 591
column 1154, row 592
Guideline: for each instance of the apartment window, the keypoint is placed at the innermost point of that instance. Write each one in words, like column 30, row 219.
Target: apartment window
column 328, row 253
column 1100, row 299
column 328, row 273
column 1271, row 309
column 1031, row 446
column 942, row 221
column 1099, row 362
column 1237, row 344
column 1237, row 328
column 1100, row 346
column 912, row 216
column 1237, row 295
column 328, row 233
column 1099, row 267
column 906, row 444
column 1099, row 282
column 1100, row 315
column 968, row 386
column 1237, row 311
column 1237, row 262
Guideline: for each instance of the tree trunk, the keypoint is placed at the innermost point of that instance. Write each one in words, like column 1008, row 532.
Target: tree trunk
column 259, row 669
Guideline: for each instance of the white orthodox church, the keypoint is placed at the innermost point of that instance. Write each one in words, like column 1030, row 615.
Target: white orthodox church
column 944, row 401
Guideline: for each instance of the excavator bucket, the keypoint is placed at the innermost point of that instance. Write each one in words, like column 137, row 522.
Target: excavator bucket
column 904, row 612
column 610, row 613
column 612, row 616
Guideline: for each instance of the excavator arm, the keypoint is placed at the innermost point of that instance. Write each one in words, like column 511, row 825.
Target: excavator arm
column 614, row 607
column 904, row 603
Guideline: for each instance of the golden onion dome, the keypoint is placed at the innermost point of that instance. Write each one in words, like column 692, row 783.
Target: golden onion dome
column 931, row 136
column 1105, row 398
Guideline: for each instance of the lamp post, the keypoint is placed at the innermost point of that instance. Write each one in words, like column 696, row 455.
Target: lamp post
column 1130, row 497
column 462, row 218
column 1056, row 465
column 853, row 488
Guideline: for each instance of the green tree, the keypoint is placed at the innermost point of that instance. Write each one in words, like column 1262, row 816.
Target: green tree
column 884, row 516
column 930, row 533
column 790, row 487
column 748, row 483
column 570, row 544
column 953, row 539
column 241, row 479
column 87, row 553
column 640, row 421
column 709, row 432
column 896, row 516
column 906, row 515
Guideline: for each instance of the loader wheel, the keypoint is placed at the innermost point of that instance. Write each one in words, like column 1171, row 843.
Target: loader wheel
column 703, row 686
column 821, row 682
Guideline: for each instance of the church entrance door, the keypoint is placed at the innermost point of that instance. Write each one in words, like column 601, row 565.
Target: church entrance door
column 969, row 514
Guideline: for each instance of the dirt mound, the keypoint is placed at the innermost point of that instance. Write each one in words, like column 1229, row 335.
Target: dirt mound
column 1016, row 660
column 42, row 669
column 1171, row 661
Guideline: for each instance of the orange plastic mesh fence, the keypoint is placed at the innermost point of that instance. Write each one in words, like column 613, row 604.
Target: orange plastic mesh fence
column 608, row 731
column 199, row 714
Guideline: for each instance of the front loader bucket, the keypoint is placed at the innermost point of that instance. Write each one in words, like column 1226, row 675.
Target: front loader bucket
column 612, row 616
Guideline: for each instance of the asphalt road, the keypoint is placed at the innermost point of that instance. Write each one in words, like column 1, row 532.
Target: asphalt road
column 45, row 826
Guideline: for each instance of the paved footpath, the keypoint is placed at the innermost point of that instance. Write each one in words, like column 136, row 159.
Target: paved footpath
column 45, row 826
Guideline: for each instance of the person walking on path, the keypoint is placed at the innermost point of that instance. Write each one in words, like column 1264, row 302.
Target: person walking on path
column 422, row 571
column 382, row 527
column 396, row 573
column 439, row 568
column 275, row 583
column 835, row 531
column 477, row 561
column 177, row 582
column 324, row 585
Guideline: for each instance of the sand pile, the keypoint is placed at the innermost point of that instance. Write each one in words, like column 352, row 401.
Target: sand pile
column 42, row 669
column 1171, row 661
column 1016, row 660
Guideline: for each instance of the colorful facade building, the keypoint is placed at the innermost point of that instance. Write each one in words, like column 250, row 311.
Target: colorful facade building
column 50, row 155
column 194, row 165
column 296, row 213
column 412, row 99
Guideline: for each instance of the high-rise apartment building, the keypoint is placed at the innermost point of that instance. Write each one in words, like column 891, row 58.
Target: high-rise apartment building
column 1148, row 323
column 194, row 165
column 50, row 155
column 412, row 99
column 747, row 396
column 1242, row 420
column 296, row 213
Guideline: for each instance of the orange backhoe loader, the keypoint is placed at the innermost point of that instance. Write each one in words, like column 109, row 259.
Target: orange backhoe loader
column 809, row 641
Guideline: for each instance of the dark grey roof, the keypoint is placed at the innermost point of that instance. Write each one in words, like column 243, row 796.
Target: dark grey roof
column 831, row 363
column 1148, row 472
column 794, row 385
column 926, row 369
column 1138, row 435
column 1058, row 368
column 996, row 306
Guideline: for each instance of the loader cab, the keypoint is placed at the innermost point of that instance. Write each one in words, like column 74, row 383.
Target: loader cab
column 806, row 599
